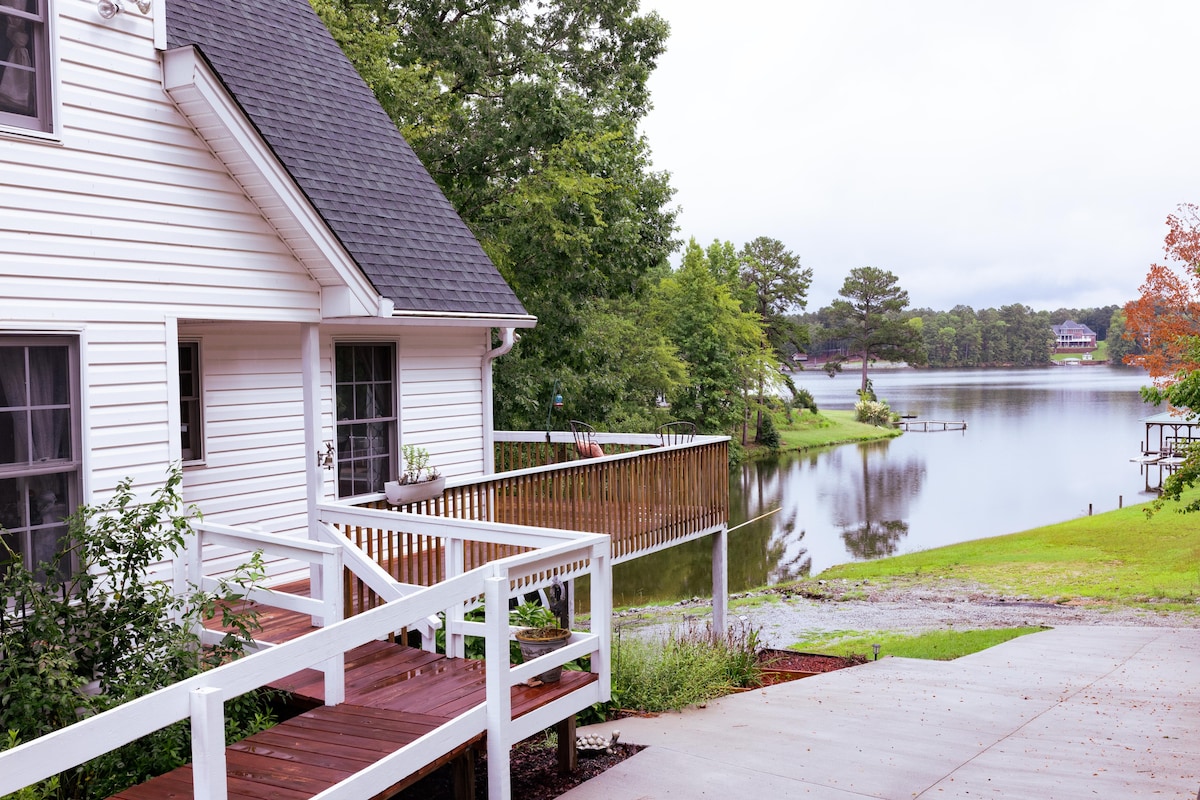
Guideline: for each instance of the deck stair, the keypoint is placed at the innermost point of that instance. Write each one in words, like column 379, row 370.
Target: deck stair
column 394, row 695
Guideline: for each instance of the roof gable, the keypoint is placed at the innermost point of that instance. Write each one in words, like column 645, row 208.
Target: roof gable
column 322, row 122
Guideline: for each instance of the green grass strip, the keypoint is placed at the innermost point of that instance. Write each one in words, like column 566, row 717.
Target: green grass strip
column 936, row 645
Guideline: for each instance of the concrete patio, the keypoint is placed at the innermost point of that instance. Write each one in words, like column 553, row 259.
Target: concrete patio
column 1074, row 712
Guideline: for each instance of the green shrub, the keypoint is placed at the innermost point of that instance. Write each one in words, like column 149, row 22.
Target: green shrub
column 873, row 412
column 76, row 644
column 768, row 434
column 687, row 666
column 803, row 399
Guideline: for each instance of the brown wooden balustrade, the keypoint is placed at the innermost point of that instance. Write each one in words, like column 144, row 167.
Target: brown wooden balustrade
column 646, row 498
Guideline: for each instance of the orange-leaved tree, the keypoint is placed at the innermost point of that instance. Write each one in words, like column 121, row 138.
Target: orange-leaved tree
column 1165, row 320
column 1165, row 324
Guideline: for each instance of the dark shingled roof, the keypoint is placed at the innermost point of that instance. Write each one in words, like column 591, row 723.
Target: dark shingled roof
column 325, row 126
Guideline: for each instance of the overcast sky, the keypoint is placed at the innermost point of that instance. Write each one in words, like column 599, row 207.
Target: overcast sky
column 1024, row 151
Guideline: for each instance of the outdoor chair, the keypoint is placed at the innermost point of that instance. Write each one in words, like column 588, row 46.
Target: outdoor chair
column 585, row 440
column 676, row 433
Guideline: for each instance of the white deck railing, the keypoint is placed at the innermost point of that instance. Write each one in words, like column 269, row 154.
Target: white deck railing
column 201, row 698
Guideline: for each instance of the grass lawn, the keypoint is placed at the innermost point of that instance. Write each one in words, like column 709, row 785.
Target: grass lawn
column 808, row 430
column 1117, row 557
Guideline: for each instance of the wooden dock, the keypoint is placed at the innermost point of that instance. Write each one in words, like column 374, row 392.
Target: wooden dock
column 927, row 425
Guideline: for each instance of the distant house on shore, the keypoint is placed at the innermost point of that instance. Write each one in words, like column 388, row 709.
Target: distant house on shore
column 1073, row 335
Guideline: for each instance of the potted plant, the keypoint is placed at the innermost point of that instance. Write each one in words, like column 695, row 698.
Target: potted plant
column 536, row 642
column 418, row 481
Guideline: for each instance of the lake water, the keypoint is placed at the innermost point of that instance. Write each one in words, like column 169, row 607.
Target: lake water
column 1041, row 445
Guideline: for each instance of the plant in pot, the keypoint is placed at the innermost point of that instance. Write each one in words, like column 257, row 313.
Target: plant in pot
column 418, row 481
column 536, row 642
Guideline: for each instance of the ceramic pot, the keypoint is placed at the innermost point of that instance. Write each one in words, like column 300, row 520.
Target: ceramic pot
column 536, row 642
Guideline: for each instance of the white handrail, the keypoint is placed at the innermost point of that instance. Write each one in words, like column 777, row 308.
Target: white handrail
column 200, row 697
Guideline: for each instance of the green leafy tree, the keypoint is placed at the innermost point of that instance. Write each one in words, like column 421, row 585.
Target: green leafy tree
column 775, row 285
column 778, row 287
column 722, row 344
column 869, row 318
column 1119, row 345
column 526, row 114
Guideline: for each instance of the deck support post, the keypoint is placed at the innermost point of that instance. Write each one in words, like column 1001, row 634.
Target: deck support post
column 208, row 744
column 568, row 755
column 720, row 575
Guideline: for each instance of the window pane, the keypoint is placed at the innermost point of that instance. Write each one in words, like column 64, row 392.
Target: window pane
column 12, row 505
column 12, row 377
column 49, row 381
column 48, row 504
column 14, row 437
column 51, row 434
column 47, row 544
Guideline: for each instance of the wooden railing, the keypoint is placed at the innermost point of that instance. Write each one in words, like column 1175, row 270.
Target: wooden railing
column 645, row 497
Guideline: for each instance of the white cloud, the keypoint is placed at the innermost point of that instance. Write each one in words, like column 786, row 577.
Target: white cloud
column 1017, row 152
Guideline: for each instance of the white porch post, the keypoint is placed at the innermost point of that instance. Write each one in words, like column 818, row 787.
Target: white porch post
column 310, row 367
column 720, row 573
column 499, row 690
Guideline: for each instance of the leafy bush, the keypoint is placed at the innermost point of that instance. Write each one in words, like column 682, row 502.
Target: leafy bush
column 75, row 644
column 803, row 399
column 687, row 666
column 873, row 412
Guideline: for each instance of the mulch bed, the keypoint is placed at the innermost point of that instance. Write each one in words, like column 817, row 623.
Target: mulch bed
column 779, row 666
column 535, row 762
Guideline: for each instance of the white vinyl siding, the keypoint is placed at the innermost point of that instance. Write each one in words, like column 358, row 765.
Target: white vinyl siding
column 441, row 397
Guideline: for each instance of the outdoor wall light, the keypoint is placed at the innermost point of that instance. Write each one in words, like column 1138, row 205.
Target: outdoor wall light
column 110, row 8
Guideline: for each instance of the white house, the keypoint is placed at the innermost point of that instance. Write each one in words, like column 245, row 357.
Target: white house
column 211, row 236
column 1072, row 335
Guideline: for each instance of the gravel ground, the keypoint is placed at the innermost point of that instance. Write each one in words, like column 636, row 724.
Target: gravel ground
column 783, row 619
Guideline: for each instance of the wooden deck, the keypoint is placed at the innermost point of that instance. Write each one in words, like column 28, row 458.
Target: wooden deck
column 394, row 695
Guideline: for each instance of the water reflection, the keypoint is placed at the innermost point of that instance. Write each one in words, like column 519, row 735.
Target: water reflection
column 871, row 511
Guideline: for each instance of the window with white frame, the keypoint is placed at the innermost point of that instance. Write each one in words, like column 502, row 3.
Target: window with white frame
column 25, row 80
column 39, row 447
column 191, row 428
column 365, row 395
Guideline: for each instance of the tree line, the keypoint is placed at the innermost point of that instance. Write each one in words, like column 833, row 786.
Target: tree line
column 1012, row 335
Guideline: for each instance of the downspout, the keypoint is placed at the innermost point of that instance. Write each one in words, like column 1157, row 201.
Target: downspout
column 508, row 339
